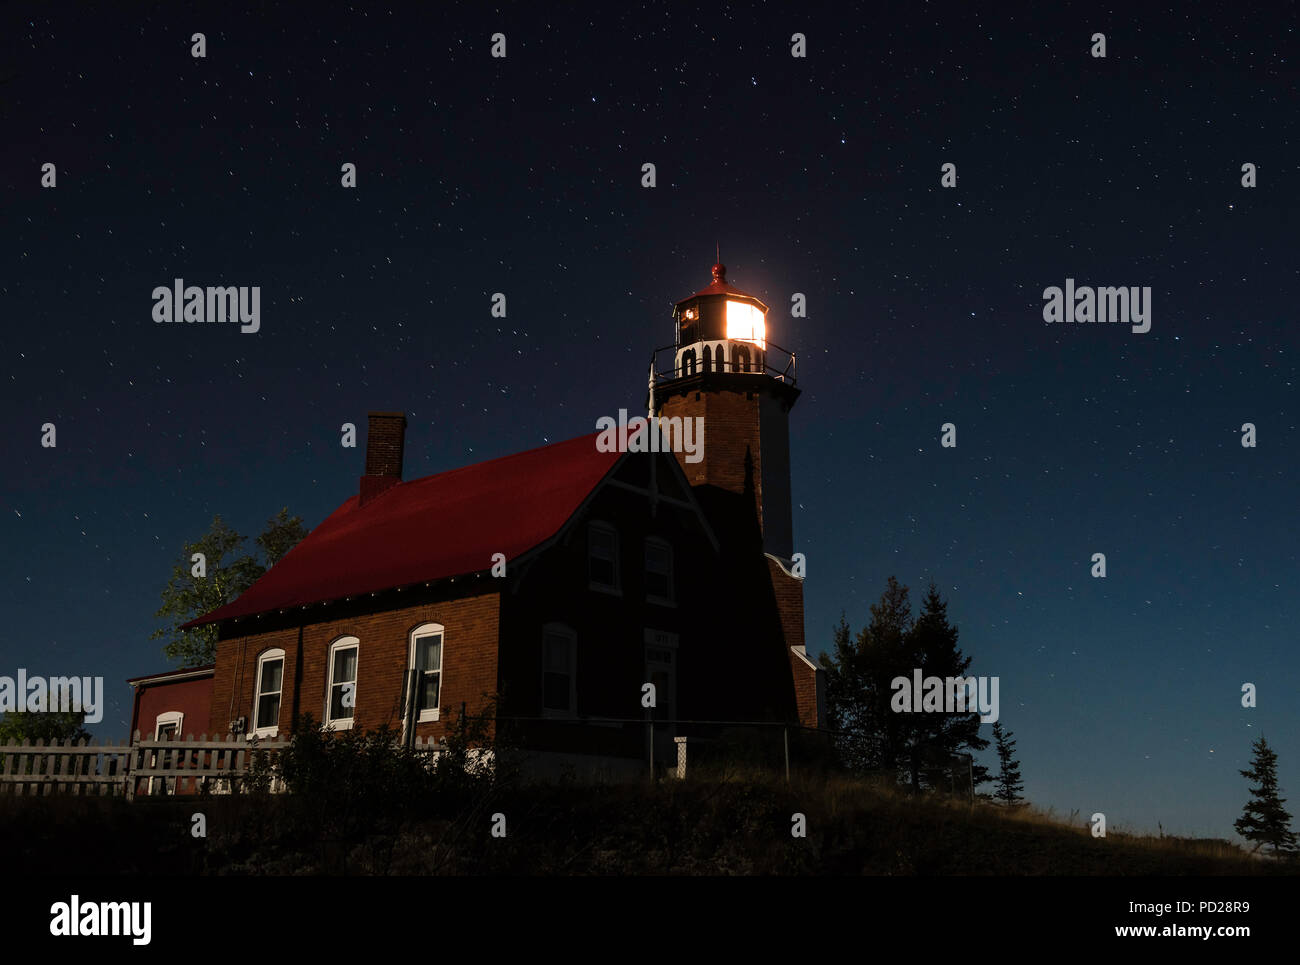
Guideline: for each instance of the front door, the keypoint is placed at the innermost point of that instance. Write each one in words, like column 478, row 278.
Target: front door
column 661, row 670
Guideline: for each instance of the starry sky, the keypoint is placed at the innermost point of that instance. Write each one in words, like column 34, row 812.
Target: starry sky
column 818, row 175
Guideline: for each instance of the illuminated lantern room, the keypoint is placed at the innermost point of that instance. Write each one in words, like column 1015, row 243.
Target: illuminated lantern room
column 721, row 329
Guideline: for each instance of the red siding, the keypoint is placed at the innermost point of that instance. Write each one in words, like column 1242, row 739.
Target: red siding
column 192, row 698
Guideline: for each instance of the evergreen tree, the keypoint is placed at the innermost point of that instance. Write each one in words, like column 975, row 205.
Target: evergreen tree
column 844, row 710
column 1009, row 784
column 925, row 750
column 859, row 672
column 227, row 572
column 1263, row 819
column 883, row 653
column 935, row 742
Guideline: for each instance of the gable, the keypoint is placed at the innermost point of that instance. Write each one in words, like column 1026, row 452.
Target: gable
column 656, row 477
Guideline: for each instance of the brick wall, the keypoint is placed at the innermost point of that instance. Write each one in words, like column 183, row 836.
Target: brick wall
column 731, row 430
column 788, row 591
column 610, row 629
column 469, row 662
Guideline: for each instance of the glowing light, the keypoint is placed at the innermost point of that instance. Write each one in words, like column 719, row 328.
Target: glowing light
column 745, row 324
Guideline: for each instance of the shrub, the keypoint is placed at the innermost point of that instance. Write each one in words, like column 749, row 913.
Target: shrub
column 353, row 792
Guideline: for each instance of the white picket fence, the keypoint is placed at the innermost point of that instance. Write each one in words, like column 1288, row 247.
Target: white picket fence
column 140, row 767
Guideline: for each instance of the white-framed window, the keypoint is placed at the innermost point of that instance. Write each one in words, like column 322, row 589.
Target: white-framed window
column 168, row 725
column 659, row 572
column 426, row 661
column 342, row 697
column 266, row 700
column 559, row 671
column 602, row 558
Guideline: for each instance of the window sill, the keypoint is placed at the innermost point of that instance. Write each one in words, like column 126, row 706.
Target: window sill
column 427, row 716
column 264, row 732
column 661, row 601
column 603, row 588
column 342, row 724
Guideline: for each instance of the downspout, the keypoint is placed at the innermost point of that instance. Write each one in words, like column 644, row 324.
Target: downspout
column 135, row 714
column 237, row 679
column 408, row 710
column 297, row 682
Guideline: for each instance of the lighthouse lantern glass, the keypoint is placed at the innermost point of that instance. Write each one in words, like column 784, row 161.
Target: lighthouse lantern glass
column 745, row 323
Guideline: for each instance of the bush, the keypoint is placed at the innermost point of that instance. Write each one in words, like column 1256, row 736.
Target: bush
column 353, row 792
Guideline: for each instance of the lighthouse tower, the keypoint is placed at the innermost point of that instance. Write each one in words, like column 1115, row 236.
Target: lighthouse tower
column 723, row 368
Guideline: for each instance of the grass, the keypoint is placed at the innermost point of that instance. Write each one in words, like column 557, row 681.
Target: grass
column 726, row 823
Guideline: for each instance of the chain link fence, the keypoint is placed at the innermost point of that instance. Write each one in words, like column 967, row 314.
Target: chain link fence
column 628, row 748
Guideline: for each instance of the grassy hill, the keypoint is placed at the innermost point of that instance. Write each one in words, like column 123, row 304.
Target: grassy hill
column 699, row 827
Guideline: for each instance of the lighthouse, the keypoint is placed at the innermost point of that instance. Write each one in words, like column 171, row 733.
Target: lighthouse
column 723, row 369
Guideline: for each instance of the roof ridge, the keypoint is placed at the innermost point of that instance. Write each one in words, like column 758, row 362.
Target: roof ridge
column 484, row 462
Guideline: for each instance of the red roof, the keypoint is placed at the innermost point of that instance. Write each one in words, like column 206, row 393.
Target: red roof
column 720, row 286
column 431, row 528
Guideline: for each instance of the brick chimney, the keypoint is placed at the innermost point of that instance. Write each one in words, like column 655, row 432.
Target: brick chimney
column 385, row 442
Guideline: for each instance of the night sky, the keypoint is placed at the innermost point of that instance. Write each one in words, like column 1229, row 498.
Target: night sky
column 818, row 175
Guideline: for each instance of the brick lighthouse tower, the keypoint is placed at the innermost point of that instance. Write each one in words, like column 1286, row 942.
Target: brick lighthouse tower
column 723, row 369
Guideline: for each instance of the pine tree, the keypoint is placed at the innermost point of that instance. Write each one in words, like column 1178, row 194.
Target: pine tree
column 1263, row 819
column 883, row 652
column 934, row 742
column 920, row 749
column 1009, row 784
column 845, row 711
column 859, row 672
